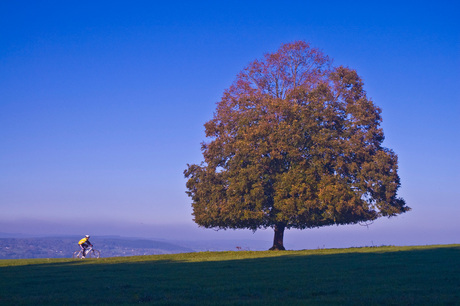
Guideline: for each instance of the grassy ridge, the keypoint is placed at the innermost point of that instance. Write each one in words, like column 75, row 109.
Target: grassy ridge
column 386, row 275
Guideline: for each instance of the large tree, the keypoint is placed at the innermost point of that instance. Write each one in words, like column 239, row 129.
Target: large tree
column 294, row 143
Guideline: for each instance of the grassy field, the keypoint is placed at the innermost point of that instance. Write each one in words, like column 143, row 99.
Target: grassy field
column 358, row 276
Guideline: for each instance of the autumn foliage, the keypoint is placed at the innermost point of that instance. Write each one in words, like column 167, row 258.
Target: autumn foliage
column 294, row 143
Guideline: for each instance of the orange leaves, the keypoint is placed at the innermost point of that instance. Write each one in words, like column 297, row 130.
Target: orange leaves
column 293, row 65
column 294, row 143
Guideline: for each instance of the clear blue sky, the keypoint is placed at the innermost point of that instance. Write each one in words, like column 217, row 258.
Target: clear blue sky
column 102, row 105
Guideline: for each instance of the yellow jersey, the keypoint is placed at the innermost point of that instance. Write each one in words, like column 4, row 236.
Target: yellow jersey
column 83, row 240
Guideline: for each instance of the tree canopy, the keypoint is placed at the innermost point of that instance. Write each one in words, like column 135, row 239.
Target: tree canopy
column 294, row 143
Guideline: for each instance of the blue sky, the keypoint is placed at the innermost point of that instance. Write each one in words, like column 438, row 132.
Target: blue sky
column 102, row 105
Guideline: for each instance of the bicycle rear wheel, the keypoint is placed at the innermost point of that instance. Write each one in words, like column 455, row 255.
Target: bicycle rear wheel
column 76, row 254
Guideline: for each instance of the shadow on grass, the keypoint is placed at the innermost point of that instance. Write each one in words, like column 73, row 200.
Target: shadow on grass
column 423, row 276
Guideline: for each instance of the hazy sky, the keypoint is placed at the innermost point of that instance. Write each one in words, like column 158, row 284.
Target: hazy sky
column 102, row 105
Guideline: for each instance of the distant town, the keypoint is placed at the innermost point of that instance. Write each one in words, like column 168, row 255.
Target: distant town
column 64, row 247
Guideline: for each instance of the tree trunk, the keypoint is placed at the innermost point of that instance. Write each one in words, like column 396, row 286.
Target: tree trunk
column 278, row 239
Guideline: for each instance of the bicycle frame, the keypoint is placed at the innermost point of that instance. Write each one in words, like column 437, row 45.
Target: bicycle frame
column 89, row 253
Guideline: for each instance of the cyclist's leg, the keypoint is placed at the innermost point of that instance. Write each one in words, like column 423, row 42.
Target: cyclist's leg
column 83, row 250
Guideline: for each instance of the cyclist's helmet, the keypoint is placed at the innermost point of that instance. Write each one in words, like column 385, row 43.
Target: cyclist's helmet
column 87, row 236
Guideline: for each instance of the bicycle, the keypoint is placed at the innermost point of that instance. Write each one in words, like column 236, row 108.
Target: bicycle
column 90, row 253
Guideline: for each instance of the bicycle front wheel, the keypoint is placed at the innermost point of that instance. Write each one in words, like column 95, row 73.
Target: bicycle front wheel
column 93, row 254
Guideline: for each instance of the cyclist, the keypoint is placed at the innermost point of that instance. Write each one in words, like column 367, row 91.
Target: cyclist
column 84, row 244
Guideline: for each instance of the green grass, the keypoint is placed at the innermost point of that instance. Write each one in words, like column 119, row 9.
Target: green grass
column 358, row 276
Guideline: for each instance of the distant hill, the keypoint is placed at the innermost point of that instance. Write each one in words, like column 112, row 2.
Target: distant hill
column 18, row 246
column 63, row 247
